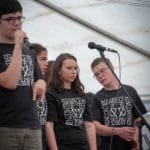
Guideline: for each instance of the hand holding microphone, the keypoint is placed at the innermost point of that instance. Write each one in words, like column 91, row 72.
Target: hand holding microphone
column 19, row 37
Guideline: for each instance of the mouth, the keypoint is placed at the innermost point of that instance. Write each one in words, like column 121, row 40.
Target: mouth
column 74, row 77
column 15, row 29
column 102, row 81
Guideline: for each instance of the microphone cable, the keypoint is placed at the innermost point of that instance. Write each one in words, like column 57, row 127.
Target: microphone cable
column 112, row 135
column 111, row 138
column 119, row 65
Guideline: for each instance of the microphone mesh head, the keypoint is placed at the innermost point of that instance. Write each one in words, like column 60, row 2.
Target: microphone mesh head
column 91, row 45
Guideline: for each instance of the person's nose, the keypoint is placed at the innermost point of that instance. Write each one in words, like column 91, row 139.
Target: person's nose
column 46, row 63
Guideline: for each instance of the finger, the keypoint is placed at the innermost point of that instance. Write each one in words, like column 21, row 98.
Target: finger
column 34, row 94
column 43, row 95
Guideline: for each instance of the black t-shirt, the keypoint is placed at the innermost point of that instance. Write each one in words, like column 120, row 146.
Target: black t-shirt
column 68, row 111
column 114, row 108
column 17, row 109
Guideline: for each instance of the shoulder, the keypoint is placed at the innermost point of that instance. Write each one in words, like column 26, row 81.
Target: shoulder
column 100, row 92
column 51, row 95
column 6, row 47
column 129, row 87
column 51, row 90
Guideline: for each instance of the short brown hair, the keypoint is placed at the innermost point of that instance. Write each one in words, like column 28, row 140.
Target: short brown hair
column 99, row 60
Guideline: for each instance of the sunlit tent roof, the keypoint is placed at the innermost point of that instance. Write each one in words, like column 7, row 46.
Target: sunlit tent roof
column 69, row 25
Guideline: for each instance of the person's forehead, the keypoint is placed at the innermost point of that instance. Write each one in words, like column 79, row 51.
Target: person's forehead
column 69, row 61
column 102, row 64
column 42, row 52
column 99, row 66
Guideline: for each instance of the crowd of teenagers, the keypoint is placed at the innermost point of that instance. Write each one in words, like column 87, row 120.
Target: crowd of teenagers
column 43, row 104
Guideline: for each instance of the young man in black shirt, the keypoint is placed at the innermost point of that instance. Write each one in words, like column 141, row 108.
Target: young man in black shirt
column 20, row 83
column 114, row 115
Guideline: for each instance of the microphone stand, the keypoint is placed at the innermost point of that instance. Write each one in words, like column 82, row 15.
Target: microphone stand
column 133, row 103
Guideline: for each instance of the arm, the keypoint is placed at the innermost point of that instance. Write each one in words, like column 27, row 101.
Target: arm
column 50, row 136
column 91, row 134
column 135, row 141
column 102, row 129
column 126, row 133
column 9, row 78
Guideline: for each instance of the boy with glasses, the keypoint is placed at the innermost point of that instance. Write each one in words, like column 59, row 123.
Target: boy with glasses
column 114, row 115
column 20, row 83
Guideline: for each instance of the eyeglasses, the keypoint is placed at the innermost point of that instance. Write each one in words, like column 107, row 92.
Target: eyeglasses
column 12, row 20
column 101, row 72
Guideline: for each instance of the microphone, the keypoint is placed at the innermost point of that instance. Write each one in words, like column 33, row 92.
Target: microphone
column 27, row 44
column 25, row 40
column 100, row 48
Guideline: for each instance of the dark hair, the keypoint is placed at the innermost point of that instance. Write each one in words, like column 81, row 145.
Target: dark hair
column 9, row 6
column 48, row 74
column 99, row 60
column 57, row 82
column 38, row 48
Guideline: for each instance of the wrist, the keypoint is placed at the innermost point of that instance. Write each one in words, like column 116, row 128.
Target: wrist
column 18, row 46
column 115, row 131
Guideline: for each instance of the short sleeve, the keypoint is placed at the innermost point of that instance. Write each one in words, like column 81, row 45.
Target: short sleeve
column 88, row 109
column 52, row 107
column 96, row 109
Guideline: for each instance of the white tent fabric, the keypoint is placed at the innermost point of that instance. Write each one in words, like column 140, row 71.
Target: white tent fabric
column 126, row 19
